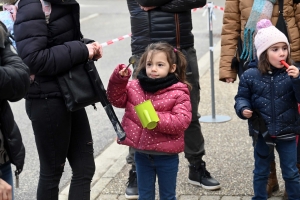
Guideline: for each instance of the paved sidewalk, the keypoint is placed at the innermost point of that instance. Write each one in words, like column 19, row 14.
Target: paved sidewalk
column 228, row 151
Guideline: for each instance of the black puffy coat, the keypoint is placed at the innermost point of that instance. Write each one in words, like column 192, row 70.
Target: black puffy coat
column 49, row 49
column 14, row 83
column 171, row 22
column 275, row 95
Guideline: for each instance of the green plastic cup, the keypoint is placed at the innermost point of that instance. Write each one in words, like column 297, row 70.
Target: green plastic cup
column 147, row 114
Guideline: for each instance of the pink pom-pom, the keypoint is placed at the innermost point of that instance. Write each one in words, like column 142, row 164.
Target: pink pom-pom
column 264, row 23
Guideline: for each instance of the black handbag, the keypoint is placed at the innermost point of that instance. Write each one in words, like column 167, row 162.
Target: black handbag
column 82, row 86
column 281, row 24
column 77, row 88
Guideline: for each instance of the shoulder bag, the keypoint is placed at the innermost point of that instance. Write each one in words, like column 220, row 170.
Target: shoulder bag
column 281, row 24
column 82, row 86
column 77, row 88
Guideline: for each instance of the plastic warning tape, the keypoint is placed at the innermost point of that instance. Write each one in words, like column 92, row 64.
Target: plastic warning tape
column 129, row 35
column 115, row 40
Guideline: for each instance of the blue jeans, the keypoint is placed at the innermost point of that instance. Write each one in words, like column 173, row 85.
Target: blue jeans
column 165, row 167
column 61, row 135
column 7, row 175
column 287, row 151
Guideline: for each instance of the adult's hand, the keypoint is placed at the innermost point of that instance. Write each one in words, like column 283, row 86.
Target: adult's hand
column 91, row 52
column 98, row 51
column 229, row 80
column 147, row 8
column 5, row 191
column 12, row 9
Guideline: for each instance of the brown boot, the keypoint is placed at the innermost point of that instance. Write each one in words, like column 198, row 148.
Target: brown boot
column 285, row 196
column 298, row 166
column 272, row 180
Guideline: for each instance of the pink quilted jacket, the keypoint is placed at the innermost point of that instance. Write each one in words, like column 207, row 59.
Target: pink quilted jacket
column 172, row 105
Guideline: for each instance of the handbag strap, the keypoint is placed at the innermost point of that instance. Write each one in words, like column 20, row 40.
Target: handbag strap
column 280, row 2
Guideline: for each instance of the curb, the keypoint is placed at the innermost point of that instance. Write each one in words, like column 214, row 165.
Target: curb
column 113, row 158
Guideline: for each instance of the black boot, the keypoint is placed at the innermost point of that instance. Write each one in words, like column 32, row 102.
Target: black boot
column 198, row 175
column 132, row 189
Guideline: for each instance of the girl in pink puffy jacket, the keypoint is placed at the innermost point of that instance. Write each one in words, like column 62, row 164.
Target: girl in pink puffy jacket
column 160, row 79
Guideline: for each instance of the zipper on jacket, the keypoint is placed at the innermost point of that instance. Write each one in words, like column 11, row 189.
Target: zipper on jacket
column 272, row 103
column 177, row 31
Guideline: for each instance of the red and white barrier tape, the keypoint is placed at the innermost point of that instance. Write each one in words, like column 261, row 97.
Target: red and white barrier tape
column 115, row 40
column 129, row 35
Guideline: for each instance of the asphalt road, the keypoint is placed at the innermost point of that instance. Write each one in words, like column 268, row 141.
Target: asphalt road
column 102, row 20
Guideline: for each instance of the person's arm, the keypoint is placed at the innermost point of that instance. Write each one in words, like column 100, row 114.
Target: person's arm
column 178, row 119
column 242, row 98
column 31, row 36
column 231, row 31
column 182, row 5
column 116, row 89
column 14, row 74
column 150, row 3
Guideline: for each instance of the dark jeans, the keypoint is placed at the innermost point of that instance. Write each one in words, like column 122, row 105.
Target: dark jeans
column 165, row 167
column 193, row 137
column 60, row 134
column 287, row 156
column 298, row 150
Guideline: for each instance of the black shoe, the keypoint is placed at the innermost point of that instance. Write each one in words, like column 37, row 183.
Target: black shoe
column 132, row 189
column 201, row 177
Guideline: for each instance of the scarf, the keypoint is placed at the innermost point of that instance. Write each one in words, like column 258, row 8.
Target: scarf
column 261, row 9
column 153, row 85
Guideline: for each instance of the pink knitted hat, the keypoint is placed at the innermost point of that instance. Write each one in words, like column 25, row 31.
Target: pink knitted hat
column 267, row 35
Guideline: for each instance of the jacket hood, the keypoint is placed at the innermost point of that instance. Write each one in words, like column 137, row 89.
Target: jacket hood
column 253, row 63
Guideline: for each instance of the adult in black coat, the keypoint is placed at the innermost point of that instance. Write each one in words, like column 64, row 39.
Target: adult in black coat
column 50, row 44
column 14, row 83
column 171, row 21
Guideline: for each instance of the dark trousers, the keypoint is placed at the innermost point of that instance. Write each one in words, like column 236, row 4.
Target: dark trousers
column 287, row 157
column 193, row 137
column 298, row 150
column 60, row 134
column 164, row 167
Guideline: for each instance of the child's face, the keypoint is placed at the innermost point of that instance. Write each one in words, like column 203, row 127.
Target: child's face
column 276, row 53
column 157, row 65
